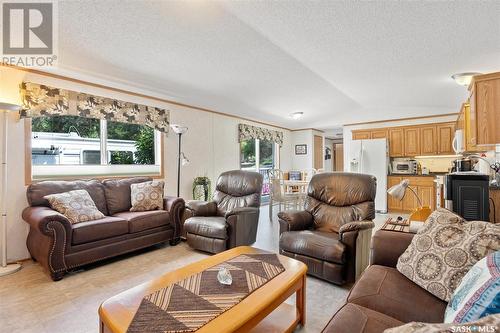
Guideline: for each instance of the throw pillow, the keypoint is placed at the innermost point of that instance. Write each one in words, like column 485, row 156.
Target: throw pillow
column 478, row 295
column 485, row 324
column 445, row 249
column 147, row 196
column 76, row 205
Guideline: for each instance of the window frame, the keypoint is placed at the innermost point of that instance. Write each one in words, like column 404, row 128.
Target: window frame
column 99, row 171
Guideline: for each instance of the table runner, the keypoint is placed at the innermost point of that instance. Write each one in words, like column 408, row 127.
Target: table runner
column 187, row 305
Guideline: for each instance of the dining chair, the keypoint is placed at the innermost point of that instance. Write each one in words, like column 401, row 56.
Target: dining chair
column 278, row 195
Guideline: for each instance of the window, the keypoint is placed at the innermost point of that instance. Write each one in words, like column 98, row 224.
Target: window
column 65, row 146
column 261, row 156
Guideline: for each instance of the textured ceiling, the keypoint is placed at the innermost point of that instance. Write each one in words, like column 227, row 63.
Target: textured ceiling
column 338, row 62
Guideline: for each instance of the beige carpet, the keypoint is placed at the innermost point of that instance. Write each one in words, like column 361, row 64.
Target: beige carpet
column 31, row 302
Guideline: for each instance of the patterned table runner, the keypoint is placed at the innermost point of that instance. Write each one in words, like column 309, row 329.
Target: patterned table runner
column 187, row 305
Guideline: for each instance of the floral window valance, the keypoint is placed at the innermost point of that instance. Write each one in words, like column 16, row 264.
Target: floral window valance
column 246, row 132
column 40, row 100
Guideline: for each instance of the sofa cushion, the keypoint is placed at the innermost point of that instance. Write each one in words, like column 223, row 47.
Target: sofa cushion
column 117, row 193
column 77, row 206
column 37, row 191
column 316, row 244
column 445, row 249
column 352, row 318
column 478, row 294
column 106, row 227
column 139, row 221
column 385, row 290
column 207, row 226
column 146, row 196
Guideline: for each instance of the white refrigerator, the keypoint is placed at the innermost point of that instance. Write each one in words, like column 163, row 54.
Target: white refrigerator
column 371, row 157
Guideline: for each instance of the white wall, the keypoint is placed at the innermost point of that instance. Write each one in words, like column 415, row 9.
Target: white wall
column 302, row 162
column 348, row 130
column 211, row 144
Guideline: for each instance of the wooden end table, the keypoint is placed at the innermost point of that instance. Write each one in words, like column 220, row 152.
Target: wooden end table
column 263, row 310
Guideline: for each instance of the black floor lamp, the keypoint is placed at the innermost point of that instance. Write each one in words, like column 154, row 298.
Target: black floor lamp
column 181, row 157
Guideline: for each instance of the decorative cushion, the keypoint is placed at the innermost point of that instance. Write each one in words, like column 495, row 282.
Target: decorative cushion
column 76, row 205
column 445, row 249
column 478, row 294
column 147, row 196
column 485, row 324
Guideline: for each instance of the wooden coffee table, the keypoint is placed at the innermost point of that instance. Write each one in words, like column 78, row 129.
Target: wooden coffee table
column 263, row 310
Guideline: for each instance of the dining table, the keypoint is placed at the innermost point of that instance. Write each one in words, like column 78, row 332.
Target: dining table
column 294, row 186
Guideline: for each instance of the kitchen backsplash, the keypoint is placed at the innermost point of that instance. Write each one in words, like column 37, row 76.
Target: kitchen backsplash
column 435, row 163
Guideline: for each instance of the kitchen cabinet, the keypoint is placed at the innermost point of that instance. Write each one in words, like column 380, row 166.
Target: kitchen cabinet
column 495, row 205
column 445, row 134
column 485, row 109
column 411, row 141
column 428, row 140
column 361, row 135
column 379, row 134
column 396, row 142
column 425, row 188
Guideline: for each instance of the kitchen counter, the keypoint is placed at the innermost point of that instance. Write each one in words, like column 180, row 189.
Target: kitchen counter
column 432, row 174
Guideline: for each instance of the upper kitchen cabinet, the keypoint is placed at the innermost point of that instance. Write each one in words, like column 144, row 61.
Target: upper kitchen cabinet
column 379, row 133
column 396, row 142
column 445, row 134
column 361, row 135
column 428, row 140
column 412, row 141
column 485, row 109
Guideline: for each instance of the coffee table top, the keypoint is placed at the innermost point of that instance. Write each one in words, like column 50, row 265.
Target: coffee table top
column 118, row 311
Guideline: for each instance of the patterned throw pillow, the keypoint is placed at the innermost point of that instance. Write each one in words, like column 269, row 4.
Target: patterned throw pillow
column 478, row 295
column 445, row 249
column 76, row 205
column 485, row 324
column 147, row 196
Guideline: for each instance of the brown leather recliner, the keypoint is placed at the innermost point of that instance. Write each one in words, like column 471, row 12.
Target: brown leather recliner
column 332, row 234
column 231, row 219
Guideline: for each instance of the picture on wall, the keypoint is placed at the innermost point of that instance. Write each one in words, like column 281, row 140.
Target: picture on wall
column 300, row 149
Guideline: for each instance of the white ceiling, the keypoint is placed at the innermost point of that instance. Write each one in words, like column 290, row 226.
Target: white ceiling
column 338, row 62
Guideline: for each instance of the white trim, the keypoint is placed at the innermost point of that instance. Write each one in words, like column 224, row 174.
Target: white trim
column 57, row 171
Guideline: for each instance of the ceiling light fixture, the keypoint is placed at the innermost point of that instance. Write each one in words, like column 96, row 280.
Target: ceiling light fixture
column 297, row 115
column 464, row 79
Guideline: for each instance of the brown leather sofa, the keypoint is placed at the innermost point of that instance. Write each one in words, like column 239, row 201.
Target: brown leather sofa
column 60, row 246
column 332, row 234
column 231, row 219
column 383, row 298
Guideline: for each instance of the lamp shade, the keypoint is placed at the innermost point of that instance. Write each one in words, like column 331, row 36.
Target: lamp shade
column 9, row 107
column 398, row 191
column 178, row 129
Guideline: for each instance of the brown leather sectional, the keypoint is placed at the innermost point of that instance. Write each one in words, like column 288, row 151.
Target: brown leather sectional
column 383, row 298
column 332, row 234
column 60, row 246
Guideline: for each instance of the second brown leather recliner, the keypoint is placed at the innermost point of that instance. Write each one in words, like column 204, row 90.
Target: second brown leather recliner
column 332, row 234
column 231, row 219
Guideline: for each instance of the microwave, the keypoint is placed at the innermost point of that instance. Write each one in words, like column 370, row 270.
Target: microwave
column 408, row 167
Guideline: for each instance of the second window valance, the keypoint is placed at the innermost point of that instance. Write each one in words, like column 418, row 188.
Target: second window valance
column 41, row 100
column 246, row 132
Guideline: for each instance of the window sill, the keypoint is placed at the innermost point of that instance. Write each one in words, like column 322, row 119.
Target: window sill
column 52, row 172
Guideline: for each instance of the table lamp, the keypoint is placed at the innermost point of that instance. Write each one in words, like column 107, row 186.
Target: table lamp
column 5, row 268
column 398, row 191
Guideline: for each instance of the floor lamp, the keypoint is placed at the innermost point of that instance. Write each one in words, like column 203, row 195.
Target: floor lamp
column 5, row 268
column 181, row 158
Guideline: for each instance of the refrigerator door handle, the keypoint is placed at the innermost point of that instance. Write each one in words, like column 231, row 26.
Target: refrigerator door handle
column 361, row 159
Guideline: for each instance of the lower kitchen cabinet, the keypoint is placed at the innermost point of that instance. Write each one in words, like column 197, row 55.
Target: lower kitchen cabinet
column 425, row 188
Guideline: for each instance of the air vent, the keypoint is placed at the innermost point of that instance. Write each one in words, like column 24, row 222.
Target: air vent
column 471, row 210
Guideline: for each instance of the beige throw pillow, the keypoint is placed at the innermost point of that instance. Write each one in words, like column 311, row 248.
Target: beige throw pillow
column 147, row 196
column 444, row 250
column 76, row 205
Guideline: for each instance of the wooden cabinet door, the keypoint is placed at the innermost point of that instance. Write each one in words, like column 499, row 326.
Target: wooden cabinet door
column 396, row 142
column 445, row 134
column 318, row 152
column 412, row 141
column 426, row 194
column 379, row 134
column 488, row 111
column 410, row 201
column 361, row 135
column 392, row 203
column 428, row 140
